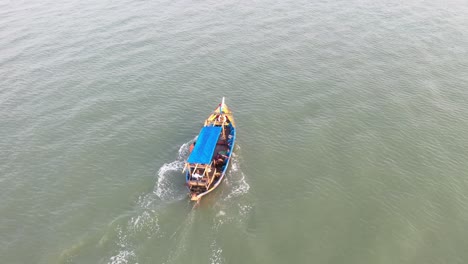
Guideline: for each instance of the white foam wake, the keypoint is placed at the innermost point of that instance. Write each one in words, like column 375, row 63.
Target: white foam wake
column 123, row 257
column 167, row 188
column 125, row 254
column 237, row 179
column 129, row 234
column 146, row 223
column 216, row 254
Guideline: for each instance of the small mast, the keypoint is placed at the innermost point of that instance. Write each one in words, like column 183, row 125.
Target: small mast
column 221, row 106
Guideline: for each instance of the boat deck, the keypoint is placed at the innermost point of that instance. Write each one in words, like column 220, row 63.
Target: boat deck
column 213, row 171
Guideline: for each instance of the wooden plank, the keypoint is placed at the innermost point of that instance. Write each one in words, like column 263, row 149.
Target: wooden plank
column 212, row 178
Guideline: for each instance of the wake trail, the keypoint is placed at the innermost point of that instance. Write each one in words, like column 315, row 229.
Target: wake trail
column 234, row 207
column 169, row 187
column 127, row 232
column 236, row 178
column 145, row 223
column 182, row 236
column 169, row 184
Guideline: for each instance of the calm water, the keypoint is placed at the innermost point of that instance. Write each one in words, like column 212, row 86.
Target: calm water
column 352, row 131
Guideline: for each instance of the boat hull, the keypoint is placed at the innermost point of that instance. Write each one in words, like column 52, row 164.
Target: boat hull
column 198, row 196
column 209, row 160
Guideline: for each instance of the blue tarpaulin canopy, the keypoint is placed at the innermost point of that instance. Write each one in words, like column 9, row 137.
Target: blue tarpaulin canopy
column 205, row 146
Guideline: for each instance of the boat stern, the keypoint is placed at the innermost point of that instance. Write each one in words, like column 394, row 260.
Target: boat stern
column 194, row 197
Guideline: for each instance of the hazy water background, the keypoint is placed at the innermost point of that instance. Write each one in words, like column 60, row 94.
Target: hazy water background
column 352, row 120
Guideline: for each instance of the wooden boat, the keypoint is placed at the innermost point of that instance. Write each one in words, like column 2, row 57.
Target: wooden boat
column 210, row 154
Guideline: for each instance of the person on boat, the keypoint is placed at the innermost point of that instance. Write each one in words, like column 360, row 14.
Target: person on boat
column 197, row 175
column 218, row 163
column 192, row 146
column 219, row 160
column 221, row 118
column 220, row 157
